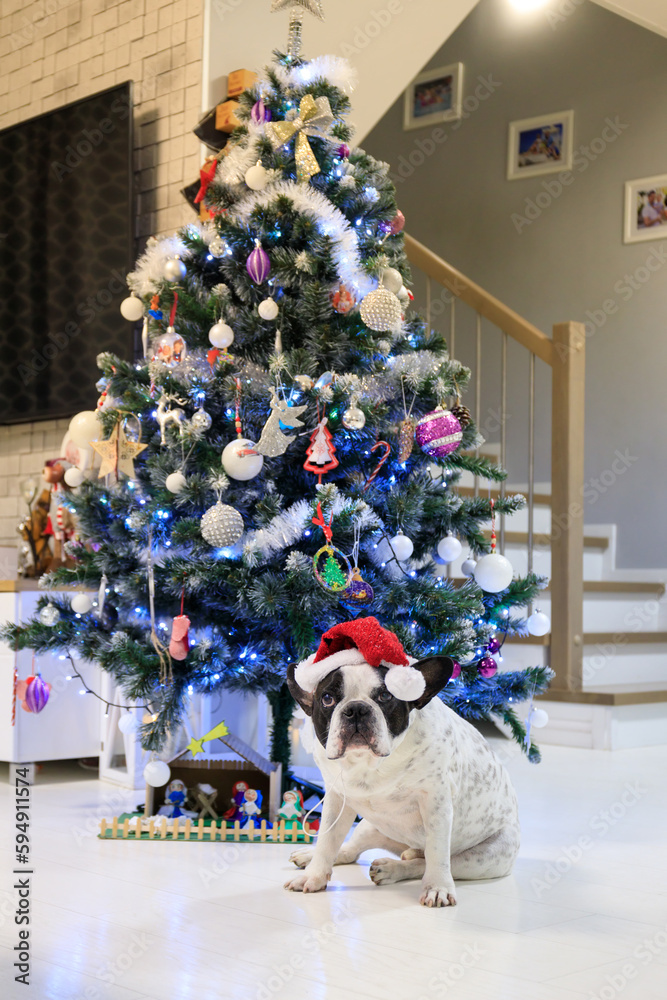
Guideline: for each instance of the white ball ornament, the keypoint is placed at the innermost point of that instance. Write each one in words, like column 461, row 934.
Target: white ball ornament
column 449, row 548
column 174, row 270
column 468, row 567
column 84, row 428
column 157, row 773
column 74, row 477
column 538, row 623
column 268, row 309
column 354, row 418
column 493, row 573
column 81, row 604
column 221, row 335
column 381, row 310
column 240, row 466
column 391, row 279
column 402, row 546
column 128, row 724
column 538, row 718
column 257, row 177
column 175, row 482
column 221, row 525
column 49, row 615
column 132, row 308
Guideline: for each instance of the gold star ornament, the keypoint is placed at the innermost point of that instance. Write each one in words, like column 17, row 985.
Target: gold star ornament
column 117, row 453
column 197, row 746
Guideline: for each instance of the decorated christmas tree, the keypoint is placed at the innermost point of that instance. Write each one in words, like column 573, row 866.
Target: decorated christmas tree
column 286, row 455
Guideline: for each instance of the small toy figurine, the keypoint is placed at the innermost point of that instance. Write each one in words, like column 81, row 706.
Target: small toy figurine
column 238, row 791
column 176, row 795
column 251, row 806
column 292, row 806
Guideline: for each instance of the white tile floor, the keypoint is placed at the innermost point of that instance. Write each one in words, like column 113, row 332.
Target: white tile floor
column 583, row 916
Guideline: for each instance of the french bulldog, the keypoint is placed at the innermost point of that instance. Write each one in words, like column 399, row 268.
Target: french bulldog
column 427, row 785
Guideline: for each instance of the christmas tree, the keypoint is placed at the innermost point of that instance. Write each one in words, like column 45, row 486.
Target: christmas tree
column 283, row 458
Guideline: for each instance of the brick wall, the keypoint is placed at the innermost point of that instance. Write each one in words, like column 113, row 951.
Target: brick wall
column 56, row 51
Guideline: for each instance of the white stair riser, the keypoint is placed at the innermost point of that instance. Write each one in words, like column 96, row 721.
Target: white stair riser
column 601, row 727
column 621, row 663
column 617, row 612
column 594, row 562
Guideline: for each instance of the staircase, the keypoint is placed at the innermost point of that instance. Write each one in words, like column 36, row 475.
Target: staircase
column 608, row 644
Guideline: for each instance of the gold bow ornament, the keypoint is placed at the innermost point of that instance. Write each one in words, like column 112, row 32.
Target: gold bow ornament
column 314, row 118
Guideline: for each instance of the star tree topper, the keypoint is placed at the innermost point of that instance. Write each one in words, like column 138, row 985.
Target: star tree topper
column 117, row 453
column 312, row 6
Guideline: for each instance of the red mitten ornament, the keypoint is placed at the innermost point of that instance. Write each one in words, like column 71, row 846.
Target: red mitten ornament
column 180, row 640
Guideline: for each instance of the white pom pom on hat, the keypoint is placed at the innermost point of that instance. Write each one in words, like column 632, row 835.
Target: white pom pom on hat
column 362, row 641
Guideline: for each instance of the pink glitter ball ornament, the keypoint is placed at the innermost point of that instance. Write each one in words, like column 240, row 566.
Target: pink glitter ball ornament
column 457, row 670
column 487, row 666
column 438, row 433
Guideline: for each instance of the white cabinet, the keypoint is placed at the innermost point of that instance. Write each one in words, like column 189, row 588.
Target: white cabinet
column 69, row 725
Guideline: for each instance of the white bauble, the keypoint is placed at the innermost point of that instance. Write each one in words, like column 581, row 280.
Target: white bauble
column 468, row 567
column 74, row 477
column 221, row 335
column 81, row 604
column 493, row 573
column 221, row 525
column 257, row 177
column 174, row 269
column 238, row 466
column 132, row 308
column 84, row 428
column 402, row 546
column 391, row 279
column 268, row 309
column 449, row 548
column 128, row 723
column 538, row 623
column 157, row 773
column 538, row 718
column 175, row 482
column 381, row 310
column 49, row 615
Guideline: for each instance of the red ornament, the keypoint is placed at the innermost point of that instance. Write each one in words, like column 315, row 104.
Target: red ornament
column 397, row 223
column 206, row 175
column 179, row 644
column 321, row 451
column 342, row 299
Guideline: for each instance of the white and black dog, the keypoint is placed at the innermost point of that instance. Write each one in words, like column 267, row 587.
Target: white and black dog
column 427, row 784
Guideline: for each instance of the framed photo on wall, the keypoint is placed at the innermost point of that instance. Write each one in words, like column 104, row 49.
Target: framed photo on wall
column 433, row 97
column 645, row 209
column 541, row 145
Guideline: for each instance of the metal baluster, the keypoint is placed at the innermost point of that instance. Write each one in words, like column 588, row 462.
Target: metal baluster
column 503, row 431
column 531, row 463
column 452, row 329
column 478, row 385
column 428, row 302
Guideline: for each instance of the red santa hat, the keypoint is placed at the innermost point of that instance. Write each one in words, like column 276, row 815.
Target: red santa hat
column 363, row 641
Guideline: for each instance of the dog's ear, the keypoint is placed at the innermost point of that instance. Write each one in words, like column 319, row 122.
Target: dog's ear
column 304, row 698
column 436, row 671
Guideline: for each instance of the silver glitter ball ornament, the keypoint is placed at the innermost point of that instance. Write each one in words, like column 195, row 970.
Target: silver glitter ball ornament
column 221, row 525
column 174, row 269
column 354, row 418
column 201, row 420
column 216, row 247
column 49, row 615
column 381, row 310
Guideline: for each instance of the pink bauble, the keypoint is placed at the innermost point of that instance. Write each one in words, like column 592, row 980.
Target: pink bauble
column 487, row 666
column 438, row 433
column 456, row 670
column 397, row 223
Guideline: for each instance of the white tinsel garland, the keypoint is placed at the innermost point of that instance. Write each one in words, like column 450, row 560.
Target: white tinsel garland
column 331, row 222
column 148, row 273
column 334, row 69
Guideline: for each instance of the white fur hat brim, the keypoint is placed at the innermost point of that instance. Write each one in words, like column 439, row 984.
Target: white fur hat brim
column 404, row 682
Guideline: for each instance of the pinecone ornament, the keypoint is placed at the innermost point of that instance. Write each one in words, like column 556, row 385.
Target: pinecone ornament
column 462, row 414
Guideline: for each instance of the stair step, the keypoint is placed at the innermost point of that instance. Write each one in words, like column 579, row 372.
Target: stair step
column 620, row 587
column 632, row 694
column 594, row 638
column 597, row 542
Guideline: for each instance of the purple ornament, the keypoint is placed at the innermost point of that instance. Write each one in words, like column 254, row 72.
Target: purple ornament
column 343, row 151
column 260, row 113
column 493, row 645
column 384, row 227
column 487, row 666
column 438, row 433
column 36, row 694
column 358, row 594
column 456, row 671
column 258, row 264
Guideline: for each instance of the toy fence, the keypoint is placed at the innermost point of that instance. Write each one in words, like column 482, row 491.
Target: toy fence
column 120, row 828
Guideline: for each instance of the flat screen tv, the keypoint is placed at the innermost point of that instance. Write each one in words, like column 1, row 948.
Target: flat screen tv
column 66, row 233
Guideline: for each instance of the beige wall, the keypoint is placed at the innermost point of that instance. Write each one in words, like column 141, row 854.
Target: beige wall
column 53, row 52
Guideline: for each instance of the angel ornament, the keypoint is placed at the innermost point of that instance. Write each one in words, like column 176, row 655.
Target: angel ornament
column 273, row 442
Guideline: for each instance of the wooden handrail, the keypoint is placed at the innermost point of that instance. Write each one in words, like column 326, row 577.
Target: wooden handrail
column 482, row 302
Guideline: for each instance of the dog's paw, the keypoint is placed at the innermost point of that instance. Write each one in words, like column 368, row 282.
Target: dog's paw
column 411, row 854
column 437, row 896
column 384, row 871
column 301, row 858
column 308, row 882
